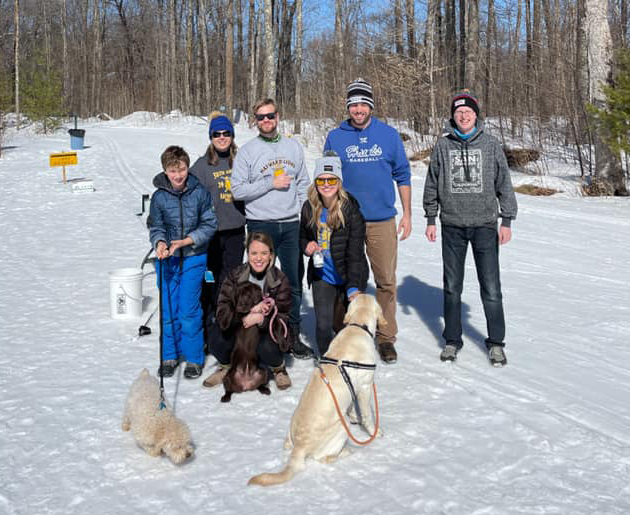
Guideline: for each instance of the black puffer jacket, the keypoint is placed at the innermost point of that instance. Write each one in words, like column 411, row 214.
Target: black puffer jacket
column 347, row 245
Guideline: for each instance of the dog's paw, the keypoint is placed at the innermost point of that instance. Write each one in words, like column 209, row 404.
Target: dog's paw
column 226, row 397
column 264, row 389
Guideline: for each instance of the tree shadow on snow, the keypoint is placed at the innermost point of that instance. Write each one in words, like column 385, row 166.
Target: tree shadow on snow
column 427, row 301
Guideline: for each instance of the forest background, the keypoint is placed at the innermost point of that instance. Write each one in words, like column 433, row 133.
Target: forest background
column 547, row 69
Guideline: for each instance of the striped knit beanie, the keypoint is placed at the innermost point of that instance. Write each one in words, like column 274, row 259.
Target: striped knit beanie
column 359, row 92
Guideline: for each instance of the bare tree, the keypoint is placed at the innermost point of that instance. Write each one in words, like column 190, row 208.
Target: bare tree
column 398, row 27
column 16, row 57
column 410, row 19
column 203, row 35
column 229, row 59
column 269, row 71
column 297, row 128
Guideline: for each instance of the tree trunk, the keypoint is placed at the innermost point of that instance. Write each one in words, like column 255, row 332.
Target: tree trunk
column 269, row 73
column 608, row 169
column 251, row 35
column 472, row 42
column 398, row 27
column 188, row 63
column 229, row 59
column 16, row 57
column 463, row 43
column 97, row 57
column 64, row 51
column 203, row 34
column 411, row 28
column 297, row 127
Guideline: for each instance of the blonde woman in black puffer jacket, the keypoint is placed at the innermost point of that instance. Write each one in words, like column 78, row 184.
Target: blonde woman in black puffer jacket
column 332, row 230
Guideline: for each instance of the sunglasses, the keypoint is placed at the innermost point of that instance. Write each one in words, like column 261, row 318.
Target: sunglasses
column 328, row 180
column 221, row 134
column 269, row 116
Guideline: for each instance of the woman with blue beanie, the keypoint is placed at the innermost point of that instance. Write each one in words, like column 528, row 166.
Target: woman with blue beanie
column 214, row 171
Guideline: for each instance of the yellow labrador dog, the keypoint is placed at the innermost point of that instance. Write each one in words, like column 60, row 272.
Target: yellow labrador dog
column 316, row 430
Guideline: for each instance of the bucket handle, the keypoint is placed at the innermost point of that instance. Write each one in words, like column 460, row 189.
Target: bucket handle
column 125, row 292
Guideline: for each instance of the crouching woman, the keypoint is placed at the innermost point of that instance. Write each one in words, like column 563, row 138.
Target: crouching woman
column 254, row 294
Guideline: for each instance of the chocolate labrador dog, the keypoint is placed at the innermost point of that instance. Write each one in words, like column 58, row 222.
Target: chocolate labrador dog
column 245, row 373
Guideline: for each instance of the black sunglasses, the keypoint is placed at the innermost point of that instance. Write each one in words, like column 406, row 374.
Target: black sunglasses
column 221, row 134
column 269, row 116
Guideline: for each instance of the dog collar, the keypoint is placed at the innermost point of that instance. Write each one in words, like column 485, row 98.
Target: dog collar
column 364, row 327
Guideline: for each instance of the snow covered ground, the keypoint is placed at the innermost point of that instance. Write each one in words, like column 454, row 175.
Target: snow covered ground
column 548, row 434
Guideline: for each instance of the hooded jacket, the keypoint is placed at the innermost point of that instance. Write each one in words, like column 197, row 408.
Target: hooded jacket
column 468, row 182
column 177, row 214
column 372, row 159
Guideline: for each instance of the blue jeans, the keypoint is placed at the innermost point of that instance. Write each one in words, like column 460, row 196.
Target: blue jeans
column 181, row 308
column 485, row 246
column 286, row 240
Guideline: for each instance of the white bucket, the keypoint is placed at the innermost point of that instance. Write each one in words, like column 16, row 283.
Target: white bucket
column 125, row 293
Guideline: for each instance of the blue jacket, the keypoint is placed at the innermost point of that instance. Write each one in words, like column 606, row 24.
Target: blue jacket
column 176, row 214
column 372, row 159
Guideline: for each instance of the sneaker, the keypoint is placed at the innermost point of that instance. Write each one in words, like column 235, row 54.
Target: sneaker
column 281, row 377
column 387, row 352
column 168, row 368
column 497, row 356
column 301, row 351
column 217, row 376
column 449, row 353
column 192, row 371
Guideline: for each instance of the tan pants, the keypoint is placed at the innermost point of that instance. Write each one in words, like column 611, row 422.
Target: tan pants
column 381, row 243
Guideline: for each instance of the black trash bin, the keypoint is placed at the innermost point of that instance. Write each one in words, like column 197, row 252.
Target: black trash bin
column 76, row 138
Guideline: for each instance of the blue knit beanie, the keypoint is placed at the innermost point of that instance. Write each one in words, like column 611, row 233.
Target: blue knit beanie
column 221, row 123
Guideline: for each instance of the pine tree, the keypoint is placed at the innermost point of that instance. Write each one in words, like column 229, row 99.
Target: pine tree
column 42, row 95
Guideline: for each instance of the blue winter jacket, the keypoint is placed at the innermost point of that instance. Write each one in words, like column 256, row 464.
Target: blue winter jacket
column 372, row 159
column 177, row 214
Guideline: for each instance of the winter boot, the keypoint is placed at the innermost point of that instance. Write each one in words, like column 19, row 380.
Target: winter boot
column 449, row 353
column 168, row 368
column 217, row 376
column 281, row 377
column 387, row 352
column 192, row 371
column 497, row 356
column 300, row 350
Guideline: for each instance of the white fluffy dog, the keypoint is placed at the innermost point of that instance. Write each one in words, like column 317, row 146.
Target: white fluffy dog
column 155, row 430
column 316, row 430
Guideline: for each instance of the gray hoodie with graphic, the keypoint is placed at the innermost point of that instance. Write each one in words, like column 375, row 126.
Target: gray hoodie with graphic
column 468, row 182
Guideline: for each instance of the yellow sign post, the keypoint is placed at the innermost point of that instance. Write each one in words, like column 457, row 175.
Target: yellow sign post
column 63, row 159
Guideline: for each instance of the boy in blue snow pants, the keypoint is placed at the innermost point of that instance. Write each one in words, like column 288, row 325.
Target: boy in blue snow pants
column 181, row 224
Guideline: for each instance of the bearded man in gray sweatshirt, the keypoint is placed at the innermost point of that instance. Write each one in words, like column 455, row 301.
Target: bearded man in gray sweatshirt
column 468, row 183
column 269, row 174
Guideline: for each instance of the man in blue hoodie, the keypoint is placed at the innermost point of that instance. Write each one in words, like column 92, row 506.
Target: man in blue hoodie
column 373, row 158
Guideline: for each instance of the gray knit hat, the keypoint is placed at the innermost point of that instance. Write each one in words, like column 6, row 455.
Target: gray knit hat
column 359, row 91
column 329, row 165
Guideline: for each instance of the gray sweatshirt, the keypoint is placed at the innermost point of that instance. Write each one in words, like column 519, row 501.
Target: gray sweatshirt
column 252, row 179
column 469, row 182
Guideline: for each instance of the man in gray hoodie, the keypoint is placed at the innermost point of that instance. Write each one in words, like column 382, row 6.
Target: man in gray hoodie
column 469, row 183
column 269, row 174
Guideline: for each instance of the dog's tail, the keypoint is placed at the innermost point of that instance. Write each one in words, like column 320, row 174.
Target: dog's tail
column 297, row 462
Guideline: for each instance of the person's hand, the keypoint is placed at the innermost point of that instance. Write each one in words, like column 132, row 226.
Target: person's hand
column 252, row 319
column 282, row 181
column 176, row 244
column 353, row 295
column 262, row 307
column 505, row 235
column 404, row 227
column 161, row 251
column 431, row 232
column 311, row 248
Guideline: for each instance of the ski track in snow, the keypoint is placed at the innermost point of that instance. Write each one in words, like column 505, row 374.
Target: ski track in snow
column 548, row 434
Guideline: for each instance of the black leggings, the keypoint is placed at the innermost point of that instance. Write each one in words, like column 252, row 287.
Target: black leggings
column 330, row 305
column 222, row 343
